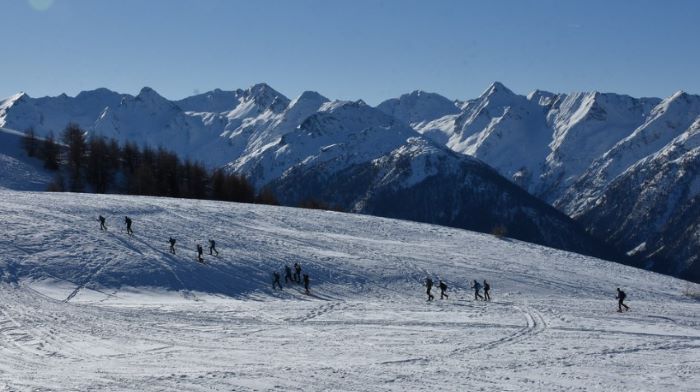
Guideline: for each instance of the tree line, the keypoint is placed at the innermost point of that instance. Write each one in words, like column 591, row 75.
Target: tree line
column 100, row 165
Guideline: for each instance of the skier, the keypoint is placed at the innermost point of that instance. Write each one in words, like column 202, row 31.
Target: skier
column 212, row 248
column 429, row 285
column 276, row 280
column 287, row 274
column 620, row 299
column 200, row 250
column 127, row 220
column 172, row 245
column 297, row 272
column 477, row 287
column 487, row 287
column 102, row 222
column 443, row 288
column 306, row 283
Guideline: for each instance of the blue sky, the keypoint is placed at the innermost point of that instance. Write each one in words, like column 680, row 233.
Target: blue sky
column 369, row 49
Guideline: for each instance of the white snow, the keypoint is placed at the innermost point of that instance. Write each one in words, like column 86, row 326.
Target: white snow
column 17, row 170
column 88, row 310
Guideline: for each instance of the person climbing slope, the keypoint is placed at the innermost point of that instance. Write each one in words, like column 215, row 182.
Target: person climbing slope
column 172, row 245
column 212, row 248
column 297, row 272
column 487, row 288
column 429, row 286
column 620, row 299
column 200, row 250
column 127, row 220
column 288, row 274
column 443, row 289
column 306, row 283
column 102, row 220
column 276, row 280
column 477, row 287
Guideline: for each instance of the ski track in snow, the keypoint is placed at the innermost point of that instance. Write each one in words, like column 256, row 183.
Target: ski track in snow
column 88, row 310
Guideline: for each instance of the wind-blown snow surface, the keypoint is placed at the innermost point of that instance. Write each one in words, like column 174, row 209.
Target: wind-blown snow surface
column 84, row 309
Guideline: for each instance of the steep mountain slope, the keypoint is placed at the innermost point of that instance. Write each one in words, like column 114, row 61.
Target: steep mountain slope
column 591, row 155
column 419, row 181
column 666, row 121
column 84, row 309
column 341, row 134
column 585, row 126
column 653, row 209
column 355, row 157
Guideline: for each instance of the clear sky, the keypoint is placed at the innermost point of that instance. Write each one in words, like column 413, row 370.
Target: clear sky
column 349, row 49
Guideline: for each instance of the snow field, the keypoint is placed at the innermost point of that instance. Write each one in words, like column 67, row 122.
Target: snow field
column 90, row 310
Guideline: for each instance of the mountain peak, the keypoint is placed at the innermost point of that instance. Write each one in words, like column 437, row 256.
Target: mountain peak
column 21, row 96
column 148, row 92
column 98, row 92
column 309, row 98
column 497, row 88
column 265, row 96
column 311, row 95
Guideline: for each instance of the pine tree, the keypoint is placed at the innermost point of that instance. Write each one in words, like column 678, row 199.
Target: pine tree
column 74, row 138
column 266, row 196
column 30, row 143
column 98, row 169
column 49, row 152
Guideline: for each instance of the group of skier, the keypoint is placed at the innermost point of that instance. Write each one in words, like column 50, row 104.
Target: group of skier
column 295, row 277
column 443, row 289
column 200, row 251
column 289, row 276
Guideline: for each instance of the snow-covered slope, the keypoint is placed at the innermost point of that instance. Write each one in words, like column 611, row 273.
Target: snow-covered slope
column 591, row 154
column 355, row 157
column 585, row 126
column 666, row 121
column 84, row 309
column 567, row 149
column 421, row 181
column 17, row 170
column 652, row 209
column 418, row 107
column 339, row 135
column 52, row 114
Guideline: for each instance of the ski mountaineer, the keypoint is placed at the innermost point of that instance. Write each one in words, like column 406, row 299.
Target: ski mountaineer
column 477, row 287
column 287, row 274
column 306, row 283
column 102, row 222
column 620, row 299
column 212, row 248
column 276, row 280
column 127, row 220
column 297, row 272
column 172, row 245
column 443, row 288
column 429, row 286
column 199, row 253
column 487, row 288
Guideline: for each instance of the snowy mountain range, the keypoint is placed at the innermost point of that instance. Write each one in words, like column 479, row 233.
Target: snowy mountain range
column 584, row 153
column 625, row 167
